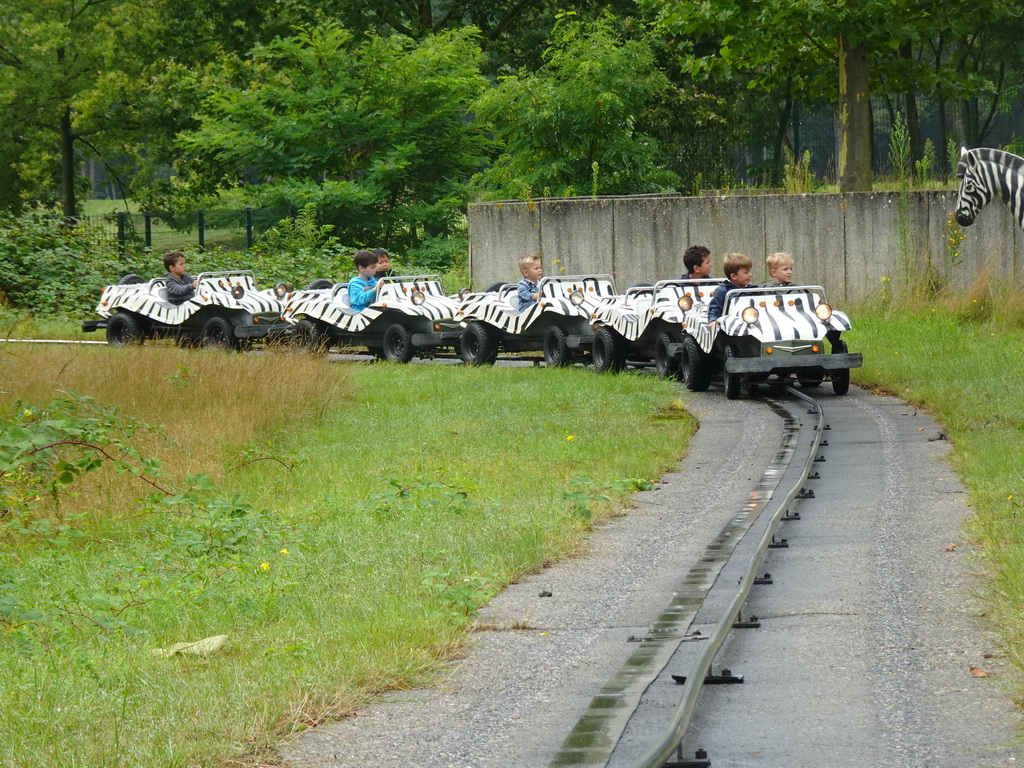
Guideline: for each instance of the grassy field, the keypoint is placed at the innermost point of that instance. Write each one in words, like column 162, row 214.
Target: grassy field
column 338, row 523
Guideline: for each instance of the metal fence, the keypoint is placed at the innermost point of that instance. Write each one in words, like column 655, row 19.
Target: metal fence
column 228, row 228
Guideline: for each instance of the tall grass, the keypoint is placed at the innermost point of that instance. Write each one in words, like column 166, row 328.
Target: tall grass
column 357, row 518
column 962, row 357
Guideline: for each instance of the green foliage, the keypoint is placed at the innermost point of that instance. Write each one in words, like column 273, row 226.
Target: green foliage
column 925, row 167
column 584, row 493
column 577, row 115
column 952, row 158
column 798, row 178
column 298, row 250
column 373, row 131
column 49, row 269
column 50, row 447
column 899, row 156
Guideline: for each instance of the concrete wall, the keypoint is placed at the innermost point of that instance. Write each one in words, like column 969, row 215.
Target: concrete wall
column 846, row 242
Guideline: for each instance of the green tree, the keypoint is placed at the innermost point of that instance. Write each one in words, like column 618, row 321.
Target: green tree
column 866, row 48
column 50, row 52
column 373, row 132
column 571, row 127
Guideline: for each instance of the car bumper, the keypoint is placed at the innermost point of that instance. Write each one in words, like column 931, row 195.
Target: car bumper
column 436, row 339
column 768, row 364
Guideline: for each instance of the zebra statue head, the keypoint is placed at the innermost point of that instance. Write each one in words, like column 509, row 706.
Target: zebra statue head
column 983, row 173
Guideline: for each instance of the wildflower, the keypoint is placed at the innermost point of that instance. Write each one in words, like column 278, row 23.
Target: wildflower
column 284, row 551
column 570, row 437
column 265, row 566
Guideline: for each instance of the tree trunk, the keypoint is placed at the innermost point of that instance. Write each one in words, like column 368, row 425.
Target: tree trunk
column 854, row 119
column 910, row 110
column 778, row 158
column 67, row 166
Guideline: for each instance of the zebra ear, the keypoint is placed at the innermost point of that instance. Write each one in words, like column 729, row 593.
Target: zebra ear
column 963, row 151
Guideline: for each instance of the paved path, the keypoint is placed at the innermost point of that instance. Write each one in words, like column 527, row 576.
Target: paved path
column 863, row 659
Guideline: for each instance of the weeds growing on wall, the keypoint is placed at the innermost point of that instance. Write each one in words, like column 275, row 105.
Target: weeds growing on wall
column 899, row 156
column 797, row 176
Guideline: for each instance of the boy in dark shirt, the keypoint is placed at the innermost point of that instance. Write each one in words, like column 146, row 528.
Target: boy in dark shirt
column 180, row 285
column 738, row 271
column 697, row 260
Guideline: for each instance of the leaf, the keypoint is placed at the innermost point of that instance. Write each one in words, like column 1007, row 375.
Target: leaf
column 979, row 672
column 952, row 547
column 204, row 647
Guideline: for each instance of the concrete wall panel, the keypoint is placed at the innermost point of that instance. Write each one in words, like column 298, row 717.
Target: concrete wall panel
column 576, row 236
column 499, row 234
column 651, row 235
column 809, row 228
column 846, row 242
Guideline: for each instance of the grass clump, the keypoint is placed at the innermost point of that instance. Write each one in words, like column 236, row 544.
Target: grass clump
column 339, row 524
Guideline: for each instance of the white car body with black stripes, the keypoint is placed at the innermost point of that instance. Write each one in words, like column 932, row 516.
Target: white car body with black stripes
column 770, row 333
column 559, row 322
column 410, row 316
column 647, row 324
column 226, row 310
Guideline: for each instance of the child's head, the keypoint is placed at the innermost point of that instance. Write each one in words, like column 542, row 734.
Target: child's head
column 697, row 260
column 171, row 259
column 738, row 269
column 366, row 262
column 383, row 260
column 531, row 268
column 780, row 267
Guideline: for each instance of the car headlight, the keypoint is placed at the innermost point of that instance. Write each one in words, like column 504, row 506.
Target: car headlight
column 418, row 297
column 238, row 291
column 823, row 311
column 686, row 302
column 280, row 290
column 576, row 297
column 750, row 315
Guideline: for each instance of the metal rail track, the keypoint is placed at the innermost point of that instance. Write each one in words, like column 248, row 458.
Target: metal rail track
column 597, row 734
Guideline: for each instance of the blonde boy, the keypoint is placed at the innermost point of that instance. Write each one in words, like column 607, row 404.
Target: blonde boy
column 780, row 269
column 532, row 271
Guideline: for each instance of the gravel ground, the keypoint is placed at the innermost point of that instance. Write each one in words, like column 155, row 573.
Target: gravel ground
column 904, row 699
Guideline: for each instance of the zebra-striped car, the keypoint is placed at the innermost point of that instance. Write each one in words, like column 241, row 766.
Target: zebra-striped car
column 647, row 324
column 776, row 333
column 409, row 316
column 557, row 323
column 226, row 311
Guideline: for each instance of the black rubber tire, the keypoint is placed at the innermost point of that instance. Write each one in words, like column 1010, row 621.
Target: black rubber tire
column 130, row 280
column 493, row 287
column 319, row 284
column 695, row 367
column 312, row 337
column 556, row 349
column 219, row 334
column 732, row 380
column 398, row 346
column 608, row 352
column 841, row 377
column 667, row 367
column 124, row 329
column 478, row 345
